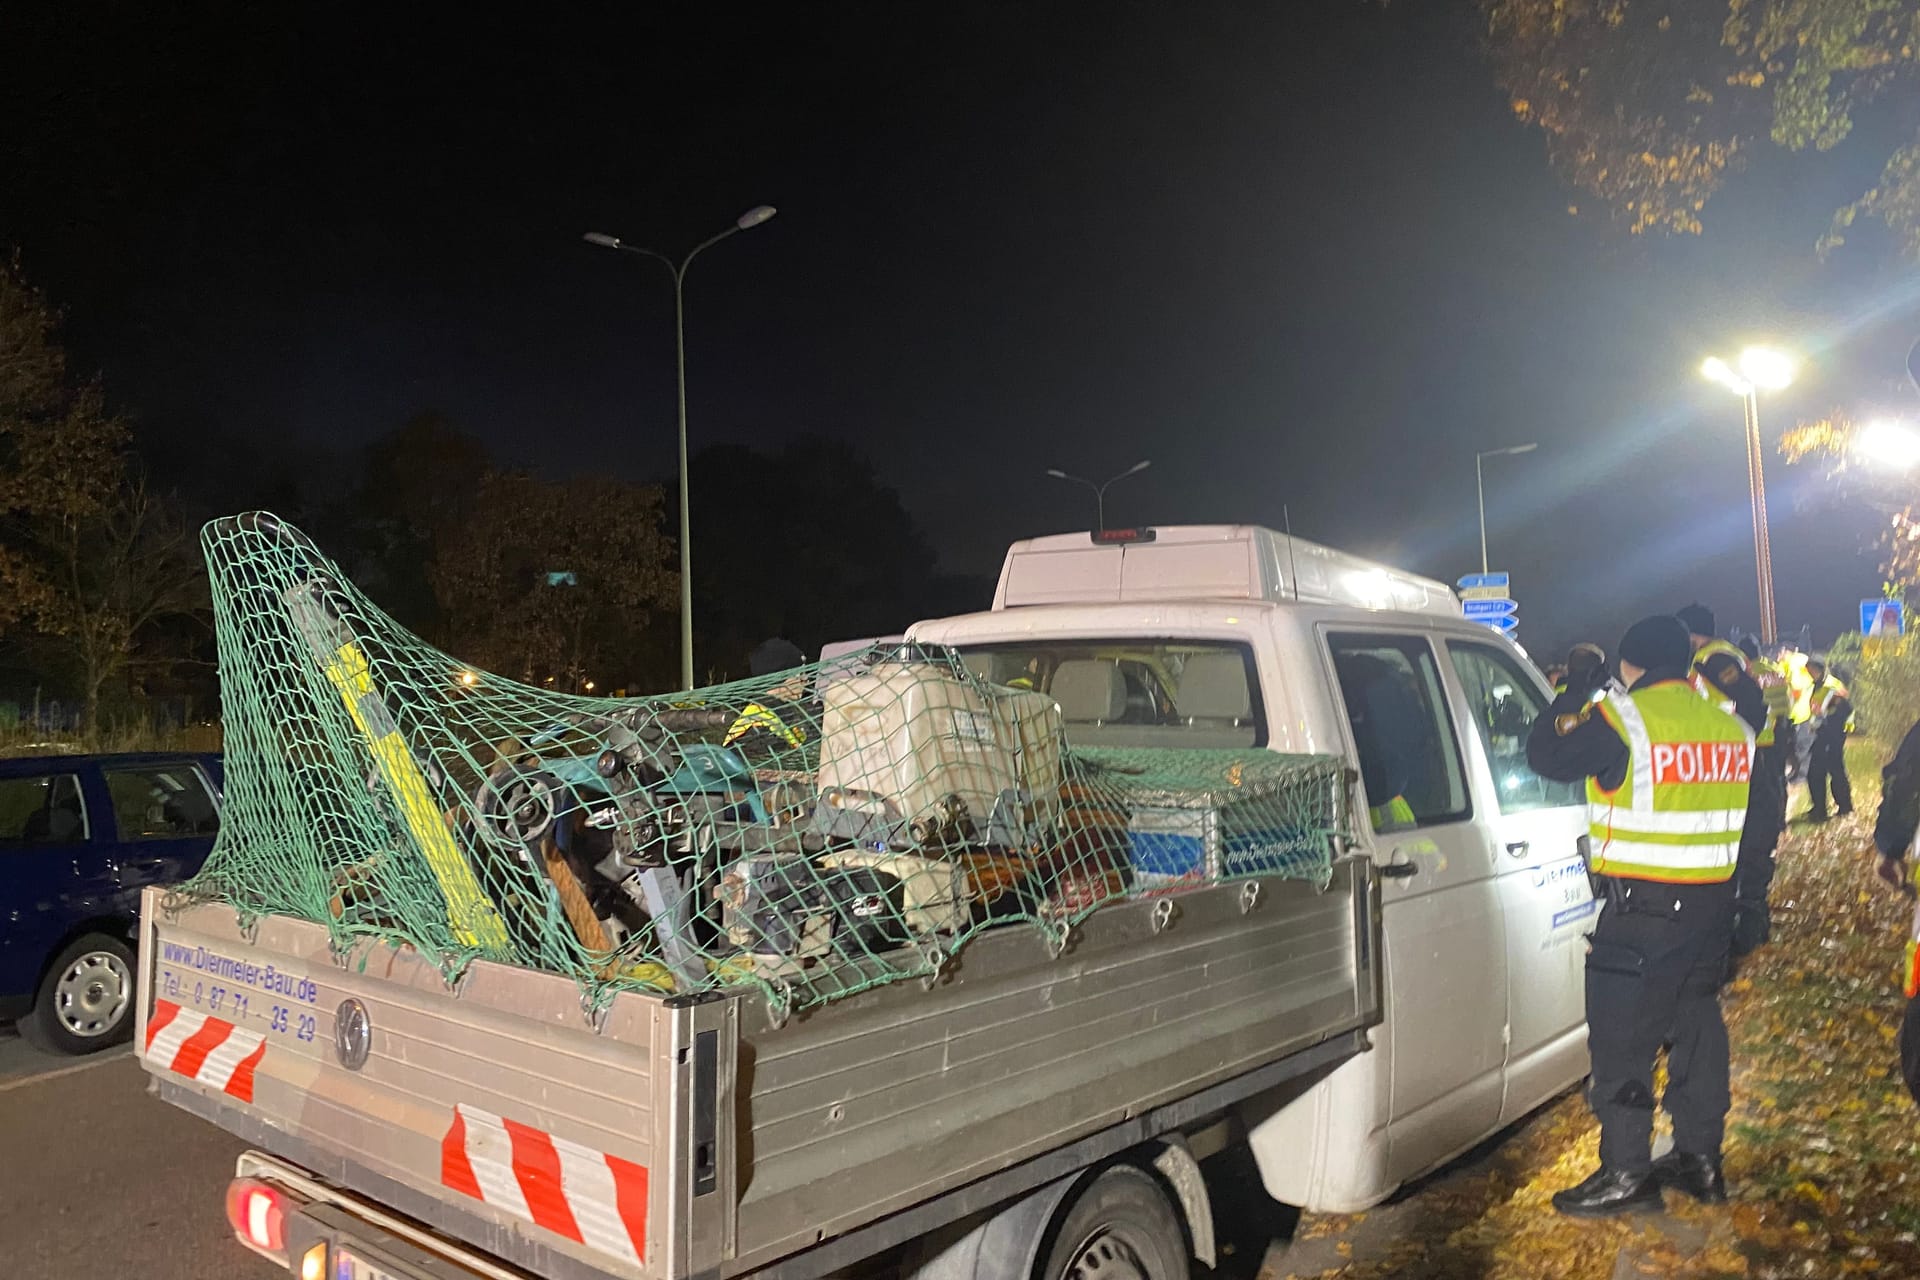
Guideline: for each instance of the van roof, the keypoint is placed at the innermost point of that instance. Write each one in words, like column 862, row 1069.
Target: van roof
column 1206, row 562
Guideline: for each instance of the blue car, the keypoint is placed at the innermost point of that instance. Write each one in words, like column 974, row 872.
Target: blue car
column 80, row 836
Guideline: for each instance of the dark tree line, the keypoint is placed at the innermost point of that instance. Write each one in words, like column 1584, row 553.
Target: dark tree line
column 569, row 581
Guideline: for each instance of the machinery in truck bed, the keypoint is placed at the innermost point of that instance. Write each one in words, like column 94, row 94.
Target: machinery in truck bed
column 768, row 978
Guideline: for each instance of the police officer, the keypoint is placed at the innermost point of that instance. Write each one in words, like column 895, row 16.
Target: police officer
column 1893, row 834
column 776, row 718
column 1724, row 675
column 1772, row 679
column 1828, row 710
column 1667, row 786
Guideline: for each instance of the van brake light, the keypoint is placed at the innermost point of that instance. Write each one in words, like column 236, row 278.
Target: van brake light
column 1115, row 537
column 257, row 1211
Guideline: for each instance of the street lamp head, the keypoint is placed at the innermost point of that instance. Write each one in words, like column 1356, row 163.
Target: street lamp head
column 1714, row 369
column 1139, row 466
column 602, row 239
column 1529, row 447
column 754, row 216
column 1893, row 444
column 1058, row 474
column 1767, row 368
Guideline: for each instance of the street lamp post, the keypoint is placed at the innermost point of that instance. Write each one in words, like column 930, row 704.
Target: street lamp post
column 751, row 218
column 1758, row 369
column 1480, row 484
column 1100, row 490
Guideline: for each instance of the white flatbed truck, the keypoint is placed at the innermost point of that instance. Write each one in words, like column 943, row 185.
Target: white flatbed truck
column 1030, row 1113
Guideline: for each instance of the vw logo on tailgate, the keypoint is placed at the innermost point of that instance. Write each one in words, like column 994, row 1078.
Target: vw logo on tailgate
column 352, row 1034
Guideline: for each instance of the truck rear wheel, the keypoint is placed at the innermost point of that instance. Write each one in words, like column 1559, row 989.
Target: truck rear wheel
column 1119, row 1227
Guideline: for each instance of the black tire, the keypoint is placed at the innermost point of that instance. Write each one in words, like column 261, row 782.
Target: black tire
column 1119, row 1225
column 85, row 1001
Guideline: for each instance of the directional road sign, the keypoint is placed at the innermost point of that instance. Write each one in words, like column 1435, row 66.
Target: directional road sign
column 1483, row 610
column 1884, row 618
column 1484, row 580
column 1507, row 623
column 1483, row 593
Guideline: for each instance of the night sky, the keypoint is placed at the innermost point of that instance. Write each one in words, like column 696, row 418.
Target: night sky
column 1294, row 253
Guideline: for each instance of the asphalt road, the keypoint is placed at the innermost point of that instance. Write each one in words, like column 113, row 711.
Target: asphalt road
column 97, row 1179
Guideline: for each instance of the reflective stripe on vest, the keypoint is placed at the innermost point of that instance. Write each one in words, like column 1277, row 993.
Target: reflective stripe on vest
column 1823, row 694
column 1395, row 815
column 755, row 716
column 1677, row 815
column 1774, row 687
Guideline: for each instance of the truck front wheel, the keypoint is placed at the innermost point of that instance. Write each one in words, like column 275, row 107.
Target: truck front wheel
column 1119, row 1227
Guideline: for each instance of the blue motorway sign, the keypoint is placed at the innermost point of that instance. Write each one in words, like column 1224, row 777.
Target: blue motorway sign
column 1507, row 623
column 1483, row 580
column 1486, row 610
column 1882, row 618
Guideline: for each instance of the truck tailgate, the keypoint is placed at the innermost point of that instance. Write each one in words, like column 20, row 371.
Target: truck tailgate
column 498, row 1116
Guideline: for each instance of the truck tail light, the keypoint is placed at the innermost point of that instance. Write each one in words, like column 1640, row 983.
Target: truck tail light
column 257, row 1211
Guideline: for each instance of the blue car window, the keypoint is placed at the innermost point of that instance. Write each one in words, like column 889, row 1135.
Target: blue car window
column 161, row 802
column 41, row 810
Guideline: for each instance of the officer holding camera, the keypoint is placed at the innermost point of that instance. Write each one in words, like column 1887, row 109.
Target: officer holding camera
column 1668, row 776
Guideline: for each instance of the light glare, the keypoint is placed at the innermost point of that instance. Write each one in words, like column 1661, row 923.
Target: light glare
column 1767, row 368
column 1892, row 444
column 1717, row 370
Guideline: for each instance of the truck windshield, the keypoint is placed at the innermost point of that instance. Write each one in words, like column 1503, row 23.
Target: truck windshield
column 1137, row 693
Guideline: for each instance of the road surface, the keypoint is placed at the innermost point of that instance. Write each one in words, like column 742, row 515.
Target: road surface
column 98, row 1179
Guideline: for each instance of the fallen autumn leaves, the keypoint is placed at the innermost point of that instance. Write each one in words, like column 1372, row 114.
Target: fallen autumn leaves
column 1823, row 1146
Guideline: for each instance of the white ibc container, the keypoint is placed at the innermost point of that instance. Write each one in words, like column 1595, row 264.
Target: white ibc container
column 910, row 753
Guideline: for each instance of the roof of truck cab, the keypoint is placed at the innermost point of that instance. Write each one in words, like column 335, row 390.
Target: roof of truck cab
column 1170, row 619
column 1206, row 562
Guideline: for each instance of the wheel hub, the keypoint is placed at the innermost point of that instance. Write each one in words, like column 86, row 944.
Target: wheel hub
column 1107, row 1256
column 92, row 994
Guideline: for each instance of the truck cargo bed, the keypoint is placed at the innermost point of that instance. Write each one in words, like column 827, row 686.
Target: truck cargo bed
column 689, row 1137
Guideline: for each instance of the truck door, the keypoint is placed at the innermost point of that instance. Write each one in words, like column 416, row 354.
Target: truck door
column 1535, row 828
column 1446, row 961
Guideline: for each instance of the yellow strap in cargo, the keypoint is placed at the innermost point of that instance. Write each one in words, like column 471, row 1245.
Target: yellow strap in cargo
column 474, row 919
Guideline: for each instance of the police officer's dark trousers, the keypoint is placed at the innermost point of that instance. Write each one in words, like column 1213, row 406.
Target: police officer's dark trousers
column 1827, row 761
column 1771, row 763
column 1658, row 958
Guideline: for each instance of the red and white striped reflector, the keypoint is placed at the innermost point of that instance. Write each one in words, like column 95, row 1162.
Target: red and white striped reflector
column 205, row 1049
column 587, row 1196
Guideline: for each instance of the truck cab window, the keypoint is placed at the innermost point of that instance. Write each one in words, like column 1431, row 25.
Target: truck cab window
column 1137, row 693
column 1409, row 757
column 1503, row 702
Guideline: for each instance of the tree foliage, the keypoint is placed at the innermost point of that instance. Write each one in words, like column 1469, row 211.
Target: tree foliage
column 1648, row 106
column 94, row 568
column 806, row 544
column 1829, row 442
column 559, row 579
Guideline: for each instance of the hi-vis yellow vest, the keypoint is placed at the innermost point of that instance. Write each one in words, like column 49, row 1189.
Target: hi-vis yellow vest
column 1697, row 676
column 1775, row 688
column 1676, row 817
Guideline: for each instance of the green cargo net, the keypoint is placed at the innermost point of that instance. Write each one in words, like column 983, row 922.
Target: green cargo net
column 810, row 834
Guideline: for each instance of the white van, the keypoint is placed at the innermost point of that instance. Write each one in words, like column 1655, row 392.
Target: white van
column 1235, row 636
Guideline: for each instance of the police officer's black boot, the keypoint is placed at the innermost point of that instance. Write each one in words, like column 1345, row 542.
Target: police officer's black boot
column 1609, row 1192
column 1692, row 1175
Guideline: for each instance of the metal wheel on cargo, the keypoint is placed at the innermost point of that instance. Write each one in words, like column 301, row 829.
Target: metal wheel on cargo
column 85, row 1001
column 1120, row 1226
